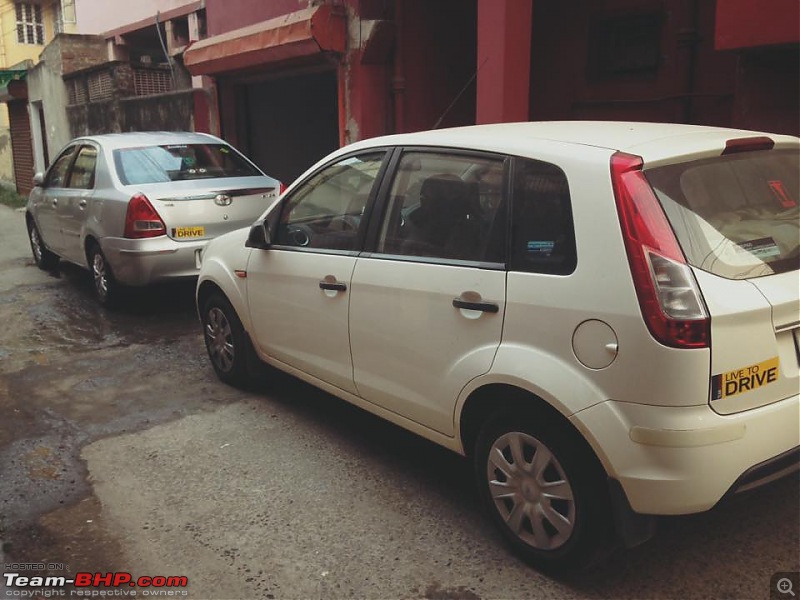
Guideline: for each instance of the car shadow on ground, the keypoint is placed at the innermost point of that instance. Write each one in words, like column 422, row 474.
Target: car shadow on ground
column 751, row 536
column 162, row 298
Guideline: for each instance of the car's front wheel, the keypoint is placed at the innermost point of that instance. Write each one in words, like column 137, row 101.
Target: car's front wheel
column 226, row 341
column 545, row 490
column 43, row 258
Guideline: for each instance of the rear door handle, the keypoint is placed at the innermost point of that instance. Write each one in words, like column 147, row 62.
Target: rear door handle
column 55, row 201
column 490, row 307
column 82, row 203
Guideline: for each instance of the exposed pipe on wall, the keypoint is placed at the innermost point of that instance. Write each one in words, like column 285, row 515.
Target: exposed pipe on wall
column 398, row 80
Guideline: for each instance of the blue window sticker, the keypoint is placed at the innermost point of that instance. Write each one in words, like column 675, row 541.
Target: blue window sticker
column 541, row 247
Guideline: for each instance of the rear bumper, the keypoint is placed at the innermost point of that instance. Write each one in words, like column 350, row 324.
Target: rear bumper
column 681, row 460
column 142, row 262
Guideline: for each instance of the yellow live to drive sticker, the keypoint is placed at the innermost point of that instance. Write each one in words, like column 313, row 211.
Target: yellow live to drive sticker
column 744, row 380
column 188, row 232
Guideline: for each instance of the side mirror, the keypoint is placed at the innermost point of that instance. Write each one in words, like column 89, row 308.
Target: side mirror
column 259, row 236
column 38, row 179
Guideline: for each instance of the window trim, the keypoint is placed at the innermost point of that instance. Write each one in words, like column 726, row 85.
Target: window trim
column 273, row 219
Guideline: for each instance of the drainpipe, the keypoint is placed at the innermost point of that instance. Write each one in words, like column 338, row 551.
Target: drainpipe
column 398, row 80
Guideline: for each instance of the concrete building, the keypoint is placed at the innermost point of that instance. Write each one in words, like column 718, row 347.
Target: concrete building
column 25, row 28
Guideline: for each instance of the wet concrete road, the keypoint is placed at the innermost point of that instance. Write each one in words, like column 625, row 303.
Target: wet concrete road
column 120, row 450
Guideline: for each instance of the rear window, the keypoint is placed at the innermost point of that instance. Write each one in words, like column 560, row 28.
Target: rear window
column 736, row 216
column 180, row 162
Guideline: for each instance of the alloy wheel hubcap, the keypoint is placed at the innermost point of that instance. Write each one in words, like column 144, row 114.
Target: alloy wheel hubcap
column 219, row 339
column 531, row 491
column 99, row 272
column 36, row 244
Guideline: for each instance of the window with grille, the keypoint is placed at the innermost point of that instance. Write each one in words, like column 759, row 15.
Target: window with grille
column 147, row 82
column 76, row 91
column 58, row 19
column 30, row 28
column 100, row 86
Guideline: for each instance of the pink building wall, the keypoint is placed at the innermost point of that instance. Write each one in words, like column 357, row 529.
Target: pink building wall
column 99, row 16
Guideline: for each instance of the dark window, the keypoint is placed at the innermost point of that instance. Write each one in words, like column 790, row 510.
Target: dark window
column 446, row 206
column 177, row 162
column 82, row 174
column 543, row 236
column 327, row 211
column 57, row 175
column 625, row 45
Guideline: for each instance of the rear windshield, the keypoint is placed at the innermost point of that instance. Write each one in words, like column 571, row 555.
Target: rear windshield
column 736, row 216
column 179, row 162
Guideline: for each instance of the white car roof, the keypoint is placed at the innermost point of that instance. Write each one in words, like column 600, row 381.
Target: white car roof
column 652, row 141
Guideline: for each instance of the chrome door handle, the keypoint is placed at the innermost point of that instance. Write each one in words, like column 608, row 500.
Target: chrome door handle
column 55, row 201
column 82, row 203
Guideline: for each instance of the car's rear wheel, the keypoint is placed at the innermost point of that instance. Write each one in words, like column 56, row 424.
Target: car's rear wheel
column 227, row 343
column 43, row 258
column 106, row 288
column 544, row 489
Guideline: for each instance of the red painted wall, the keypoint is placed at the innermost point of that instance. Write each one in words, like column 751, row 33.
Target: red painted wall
column 692, row 83
column 752, row 23
column 438, row 48
column 226, row 15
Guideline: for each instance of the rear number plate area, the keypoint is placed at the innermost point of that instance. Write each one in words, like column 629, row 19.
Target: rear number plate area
column 184, row 233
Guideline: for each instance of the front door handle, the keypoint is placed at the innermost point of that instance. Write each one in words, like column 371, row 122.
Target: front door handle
column 82, row 203
column 55, row 201
column 330, row 283
column 490, row 307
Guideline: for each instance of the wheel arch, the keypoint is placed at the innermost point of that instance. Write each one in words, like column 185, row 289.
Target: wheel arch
column 505, row 397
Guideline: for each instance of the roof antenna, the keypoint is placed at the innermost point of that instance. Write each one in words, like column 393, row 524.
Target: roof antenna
column 461, row 93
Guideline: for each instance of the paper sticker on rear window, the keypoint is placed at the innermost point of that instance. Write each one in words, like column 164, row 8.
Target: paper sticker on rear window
column 541, row 247
column 744, row 380
column 762, row 248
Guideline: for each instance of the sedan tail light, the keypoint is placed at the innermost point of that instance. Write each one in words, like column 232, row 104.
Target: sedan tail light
column 142, row 220
column 668, row 294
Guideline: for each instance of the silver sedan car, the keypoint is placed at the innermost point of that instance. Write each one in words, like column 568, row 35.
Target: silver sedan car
column 138, row 208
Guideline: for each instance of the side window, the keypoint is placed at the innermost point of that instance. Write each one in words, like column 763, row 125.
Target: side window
column 327, row 210
column 82, row 174
column 446, row 206
column 543, row 236
column 57, row 175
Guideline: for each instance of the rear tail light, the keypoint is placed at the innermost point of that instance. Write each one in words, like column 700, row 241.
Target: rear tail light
column 142, row 220
column 668, row 294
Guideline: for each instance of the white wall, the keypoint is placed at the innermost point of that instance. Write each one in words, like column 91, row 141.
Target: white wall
column 99, row 16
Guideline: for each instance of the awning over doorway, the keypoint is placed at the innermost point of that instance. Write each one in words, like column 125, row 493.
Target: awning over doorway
column 299, row 34
column 12, row 85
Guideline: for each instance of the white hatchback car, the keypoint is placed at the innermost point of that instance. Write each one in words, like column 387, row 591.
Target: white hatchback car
column 604, row 316
column 137, row 208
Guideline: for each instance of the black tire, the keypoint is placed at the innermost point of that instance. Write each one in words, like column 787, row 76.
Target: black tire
column 44, row 259
column 106, row 288
column 557, row 516
column 229, row 349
